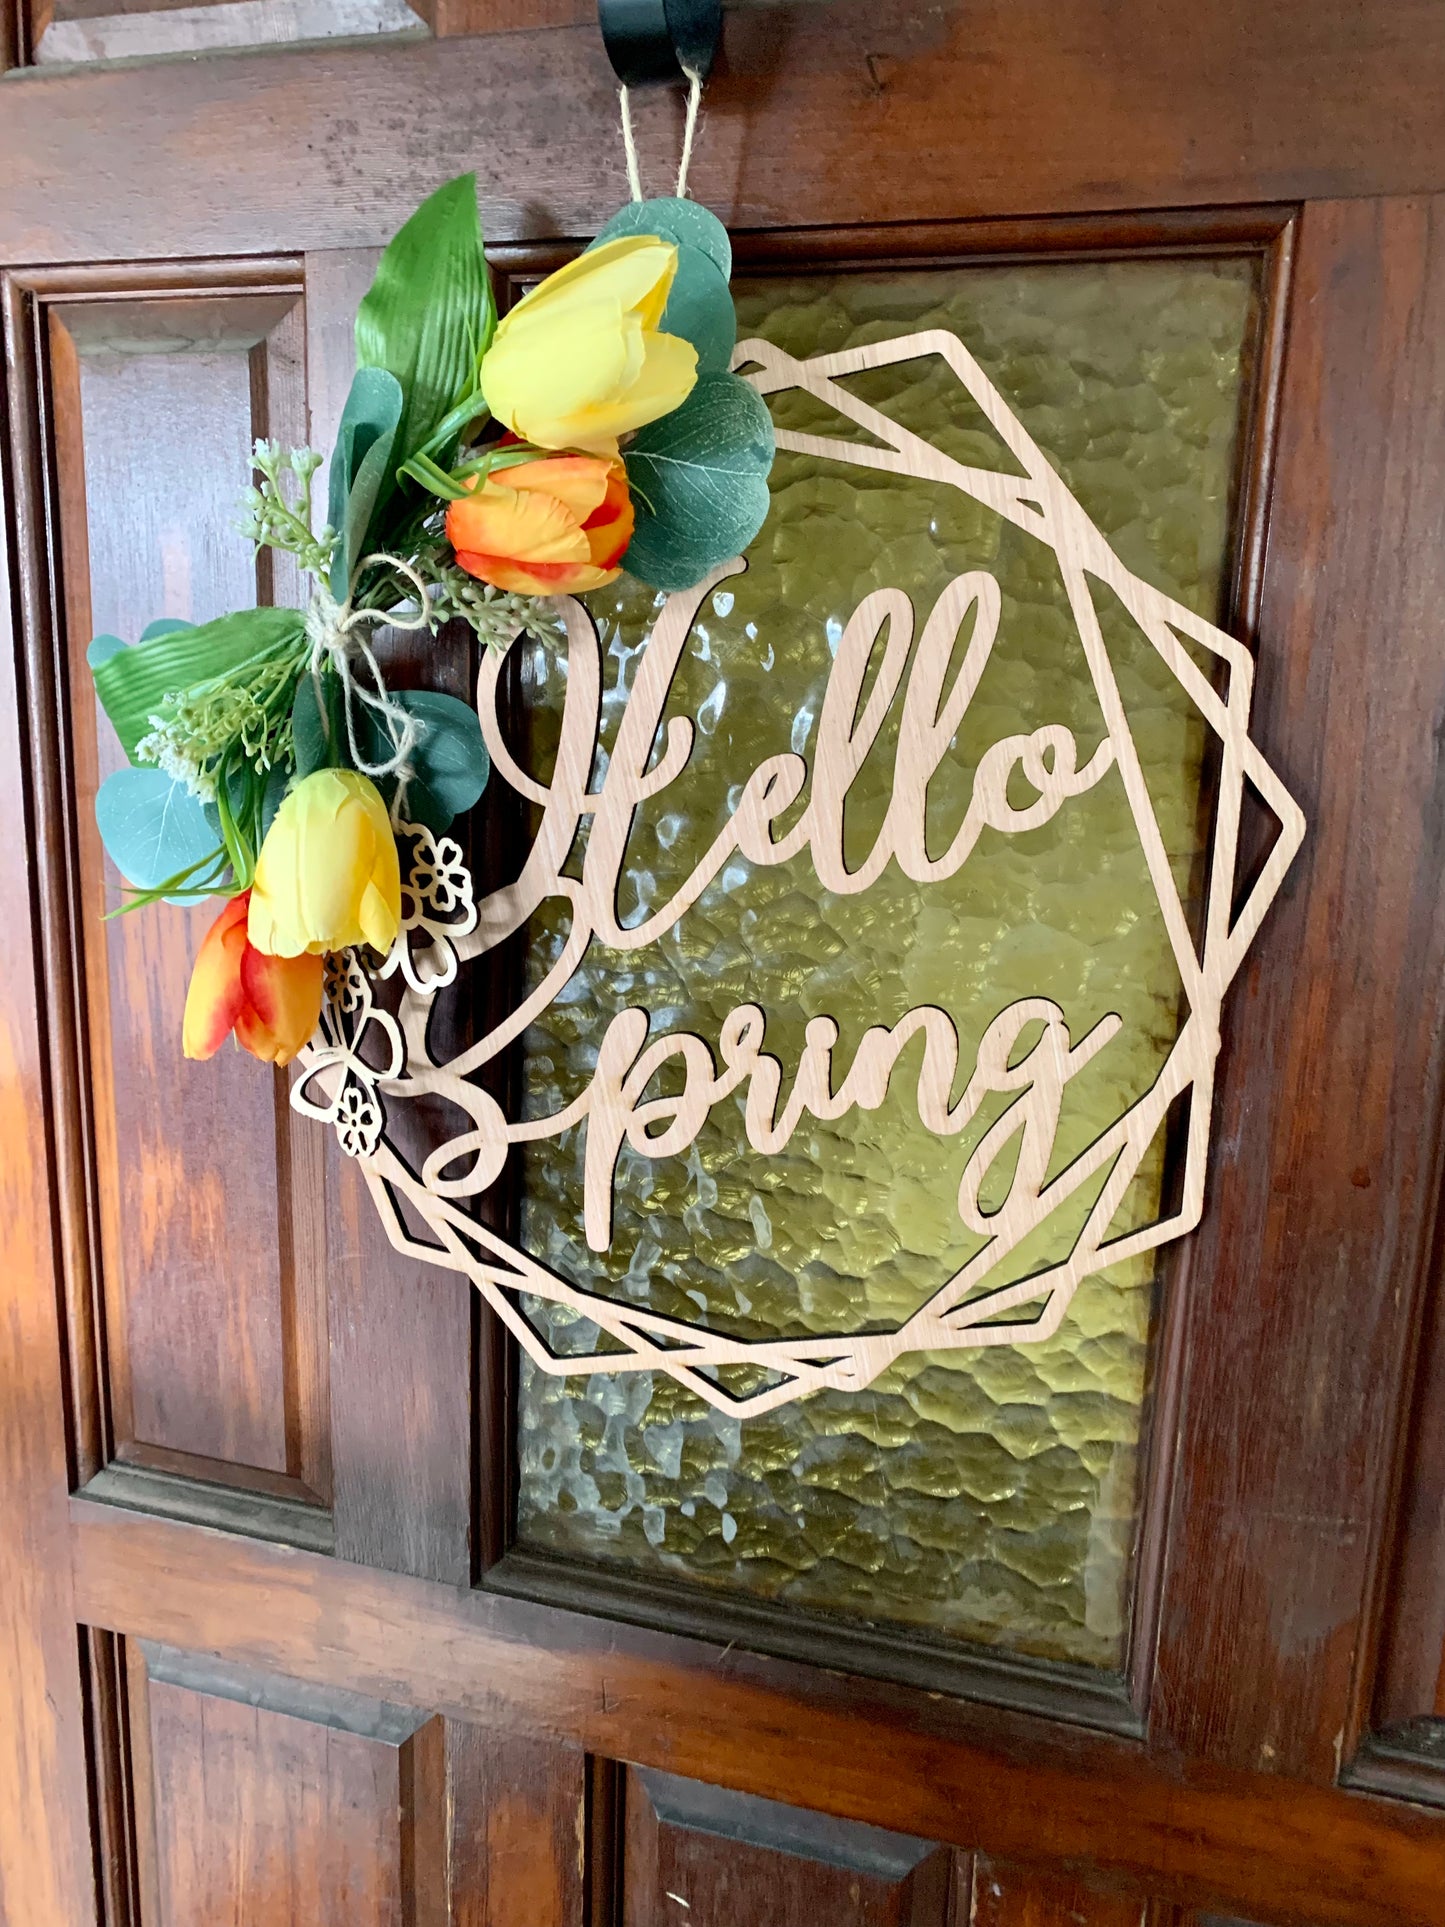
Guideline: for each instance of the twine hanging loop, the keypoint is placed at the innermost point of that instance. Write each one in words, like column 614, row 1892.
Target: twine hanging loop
column 689, row 135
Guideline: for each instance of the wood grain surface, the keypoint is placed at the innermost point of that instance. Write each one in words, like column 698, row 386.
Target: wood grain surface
column 853, row 112
column 1304, row 1282
column 1273, row 1848
column 45, row 1863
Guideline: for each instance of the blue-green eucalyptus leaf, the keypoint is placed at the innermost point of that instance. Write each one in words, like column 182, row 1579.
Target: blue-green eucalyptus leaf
column 450, row 765
column 686, row 222
column 700, row 309
column 699, row 483
column 699, row 306
column 152, row 826
column 102, row 648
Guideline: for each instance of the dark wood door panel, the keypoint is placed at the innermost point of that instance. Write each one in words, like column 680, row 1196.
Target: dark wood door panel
column 702, row 1854
column 260, row 1801
column 203, row 1257
column 1305, row 1280
column 1272, row 1848
column 263, row 1801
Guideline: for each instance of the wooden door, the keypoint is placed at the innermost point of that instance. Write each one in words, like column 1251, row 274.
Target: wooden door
column 299, row 1620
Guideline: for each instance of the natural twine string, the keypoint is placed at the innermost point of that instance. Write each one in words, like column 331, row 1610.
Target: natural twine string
column 334, row 629
column 689, row 135
column 629, row 143
column 694, row 101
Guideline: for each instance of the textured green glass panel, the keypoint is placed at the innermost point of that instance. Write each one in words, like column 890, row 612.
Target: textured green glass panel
column 989, row 1494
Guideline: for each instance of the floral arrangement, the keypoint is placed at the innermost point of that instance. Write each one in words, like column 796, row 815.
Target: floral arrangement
column 483, row 466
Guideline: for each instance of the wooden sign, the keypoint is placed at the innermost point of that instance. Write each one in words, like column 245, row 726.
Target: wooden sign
column 375, row 1058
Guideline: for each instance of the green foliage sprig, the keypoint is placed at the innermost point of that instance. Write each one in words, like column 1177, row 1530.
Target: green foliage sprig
column 270, row 521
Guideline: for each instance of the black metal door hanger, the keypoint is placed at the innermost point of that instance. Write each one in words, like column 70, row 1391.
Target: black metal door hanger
column 655, row 40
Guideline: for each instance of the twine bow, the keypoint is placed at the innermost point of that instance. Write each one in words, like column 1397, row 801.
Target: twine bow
column 335, row 633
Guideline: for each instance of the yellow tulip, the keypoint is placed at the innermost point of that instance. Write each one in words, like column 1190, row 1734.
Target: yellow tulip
column 328, row 875
column 579, row 361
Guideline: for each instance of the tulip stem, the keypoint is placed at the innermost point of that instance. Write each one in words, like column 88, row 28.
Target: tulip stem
column 469, row 409
column 512, row 456
column 421, row 468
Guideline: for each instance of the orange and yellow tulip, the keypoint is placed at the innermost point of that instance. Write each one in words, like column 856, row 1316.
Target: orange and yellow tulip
column 271, row 1004
column 558, row 526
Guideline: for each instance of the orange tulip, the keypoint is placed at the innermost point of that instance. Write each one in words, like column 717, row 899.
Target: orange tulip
column 273, row 1004
column 558, row 526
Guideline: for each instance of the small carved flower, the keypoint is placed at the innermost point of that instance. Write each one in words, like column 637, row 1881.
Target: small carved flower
column 439, row 876
column 345, row 981
column 358, row 1121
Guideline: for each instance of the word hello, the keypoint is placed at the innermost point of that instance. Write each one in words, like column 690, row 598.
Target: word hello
column 615, row 1106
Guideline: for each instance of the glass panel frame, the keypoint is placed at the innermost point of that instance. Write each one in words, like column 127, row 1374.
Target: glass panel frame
column 1256, row 236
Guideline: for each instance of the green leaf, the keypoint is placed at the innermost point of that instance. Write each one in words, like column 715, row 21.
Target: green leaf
column 132, row 683
column 700, row 483
column 152, row 826
column 274, row 783
column 278, row 781
column 319, row 745
column 361, row 467
column 430, row 312
column 700, row 309
column 450, row 765
column 686, row 222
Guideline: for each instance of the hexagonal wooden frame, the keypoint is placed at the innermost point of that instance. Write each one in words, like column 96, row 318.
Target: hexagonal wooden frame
column 965, row 1311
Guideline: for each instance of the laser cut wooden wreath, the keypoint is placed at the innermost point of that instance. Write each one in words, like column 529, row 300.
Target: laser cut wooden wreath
column 368, row 1061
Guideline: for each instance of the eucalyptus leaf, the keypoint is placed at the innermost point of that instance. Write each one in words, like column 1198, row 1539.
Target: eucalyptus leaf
column 430, row 313
column 361, row 466
column 102, row 648
column 132, row 683
column 686, row 222
column 450, row 765
column 164, row 626
column 152, row 826
column 700, row 309
column 699, row 483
